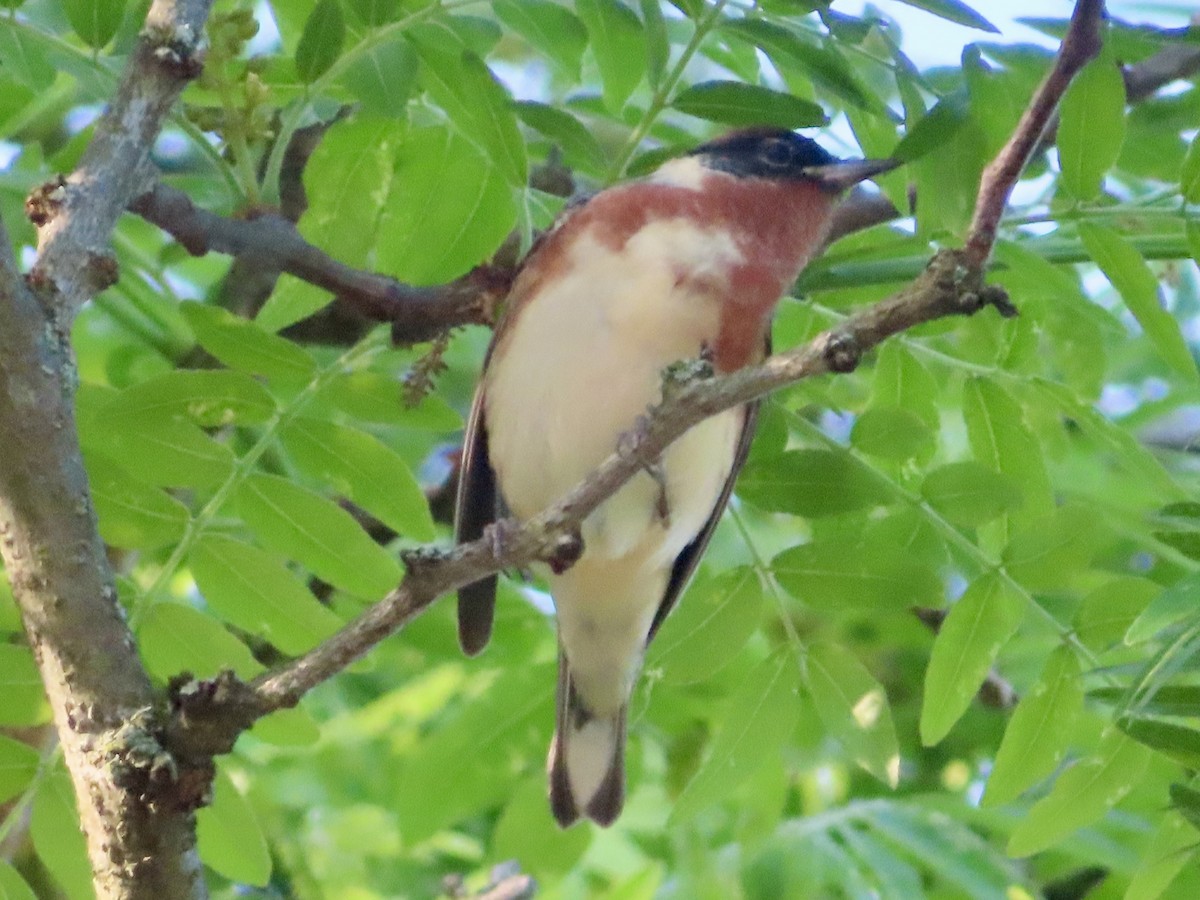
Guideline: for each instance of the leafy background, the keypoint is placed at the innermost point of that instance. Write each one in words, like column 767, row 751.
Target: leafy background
column 798, row 731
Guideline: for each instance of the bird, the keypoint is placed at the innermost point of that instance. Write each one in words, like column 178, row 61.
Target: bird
column 686, row 263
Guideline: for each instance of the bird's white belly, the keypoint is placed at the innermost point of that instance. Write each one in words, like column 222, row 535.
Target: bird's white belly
column 584, row 359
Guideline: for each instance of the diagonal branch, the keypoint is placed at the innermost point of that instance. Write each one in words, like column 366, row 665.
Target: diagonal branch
column 76, row 215
column 210, row 715
column 1081, row 43
column 416, row 313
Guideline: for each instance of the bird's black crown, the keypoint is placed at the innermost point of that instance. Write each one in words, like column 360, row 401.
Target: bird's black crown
column 763, row 153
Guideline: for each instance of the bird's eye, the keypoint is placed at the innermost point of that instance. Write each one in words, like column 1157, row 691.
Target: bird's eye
column 778, row 153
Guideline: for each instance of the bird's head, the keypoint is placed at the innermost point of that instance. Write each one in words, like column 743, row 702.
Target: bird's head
column 779, row 155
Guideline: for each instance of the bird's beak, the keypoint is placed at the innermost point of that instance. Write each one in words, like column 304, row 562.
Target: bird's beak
column 840, row 176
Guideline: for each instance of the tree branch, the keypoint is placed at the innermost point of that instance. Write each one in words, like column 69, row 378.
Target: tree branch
column 76, row 215
column 210, row 715
column 268, row 239
column 864, row 209
column 1081, row 42
column 140, row 844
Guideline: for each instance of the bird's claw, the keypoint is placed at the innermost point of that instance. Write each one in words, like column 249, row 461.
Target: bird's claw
column 627, row 445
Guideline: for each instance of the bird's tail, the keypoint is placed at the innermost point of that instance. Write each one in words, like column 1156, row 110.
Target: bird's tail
column 587, row 758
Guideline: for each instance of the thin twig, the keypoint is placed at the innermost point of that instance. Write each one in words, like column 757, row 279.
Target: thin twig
column 1081, row 42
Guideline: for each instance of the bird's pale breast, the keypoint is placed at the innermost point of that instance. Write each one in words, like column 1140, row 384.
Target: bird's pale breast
column 584, row 358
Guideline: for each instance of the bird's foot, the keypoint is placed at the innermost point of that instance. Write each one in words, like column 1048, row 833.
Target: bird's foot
column 628, row 444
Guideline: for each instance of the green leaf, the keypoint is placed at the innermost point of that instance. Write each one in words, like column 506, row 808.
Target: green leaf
column 319, row 534
column 1172, row 847
column 526, row 831
column 820, row 62
column 901, row 381
column 1001, row 441
column 174, row 638
column 1166, row 700
column 449, row 208
column 969, row 494
column 246, row 346
column 658, row 41
column 21, row 687
column 130, row 513
column 1082, row 795
column 374, row 12
column 362, row 468
column 160, row 451
column 890, row 432
column 615, row 36
column 384, row 77
column 479, row 108
column 735, row 103
column 997, row 96
column 54, row 828
column 22, row 57
column 896, row 878
column 251, row 590
column 1186, row 799
column 287, row 728
column 1130, row 459
column 958, row 856
column 835, row 575
column 376, row 397
column 954, row 11
column 1039, row 731
column 18, row 765
column 949, row 176
column 854, row 708
column 1138, row 287
column 552, row 30
column 1107, row 613
column 355, row 166
column 1179, row 742
column 709, row 627
column 1091, row 127
column 978, row 626
column 95, row 21
column 229, row 837
column 493, row 728
column 211, row 398
column 12, row 885
column 810, row 483
column 761, row 714
column 579, row 146
column 935, row 129
column 1050, row 551
column 321, row 43
column 1189, row 175
column 1173, row 605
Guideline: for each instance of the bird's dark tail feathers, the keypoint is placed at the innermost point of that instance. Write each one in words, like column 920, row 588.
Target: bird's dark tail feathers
column 587, row 758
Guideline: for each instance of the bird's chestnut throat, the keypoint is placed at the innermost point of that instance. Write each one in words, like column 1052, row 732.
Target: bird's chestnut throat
column 776, row 227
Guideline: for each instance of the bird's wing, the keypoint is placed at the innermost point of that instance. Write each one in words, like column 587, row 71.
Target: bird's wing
column 686, row 562
column 478, row 503
column 475, row 507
